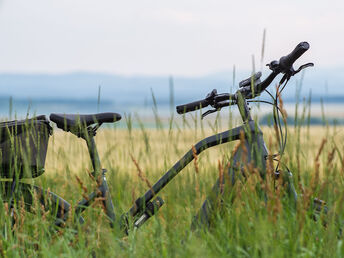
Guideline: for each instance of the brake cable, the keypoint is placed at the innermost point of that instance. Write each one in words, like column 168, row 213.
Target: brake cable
column 278, row 112
column 277, row 121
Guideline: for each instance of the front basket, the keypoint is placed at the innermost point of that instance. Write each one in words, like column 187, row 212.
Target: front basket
column 23, row 147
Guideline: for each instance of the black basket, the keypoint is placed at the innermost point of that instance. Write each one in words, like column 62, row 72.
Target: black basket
column 23, row 147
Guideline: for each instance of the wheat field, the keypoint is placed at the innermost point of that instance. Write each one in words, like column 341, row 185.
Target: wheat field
column 249, row 227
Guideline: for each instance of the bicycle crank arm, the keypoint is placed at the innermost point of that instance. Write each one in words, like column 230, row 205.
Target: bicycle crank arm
column 151, row 208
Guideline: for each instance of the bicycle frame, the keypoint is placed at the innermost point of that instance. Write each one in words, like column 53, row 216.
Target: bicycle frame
column 255, row 151
column 253, row 148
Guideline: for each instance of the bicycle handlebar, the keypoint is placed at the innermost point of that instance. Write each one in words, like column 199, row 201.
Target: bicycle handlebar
column 284, row 66
column 286, row 62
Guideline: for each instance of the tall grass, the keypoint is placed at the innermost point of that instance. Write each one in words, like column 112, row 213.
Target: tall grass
column 249, row 226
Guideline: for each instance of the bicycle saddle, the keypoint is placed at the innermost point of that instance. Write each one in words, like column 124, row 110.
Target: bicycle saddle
column 69, row 121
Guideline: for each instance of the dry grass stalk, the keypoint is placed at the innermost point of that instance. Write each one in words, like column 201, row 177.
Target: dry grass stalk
column 342, row 164
column 90, row 175
column 302, row 208
column 15, row 218
column 197, row 188
column 226, row 175
column 44, row 213
column 298, row 162
column 257, row 175
column 194, row 154
column 274, row 195
column 275, row 205
column 141, row 174
column 281, row 107
column 330, row 157
column 253, row 179
column 315, row 178
column 6, row 209
column 238, row 188
column 270, row 166
column 99, row 201
column 271, row 186
column 320, row 149
column 2, row 251
column 83, row 187
column 22, row 214
column 243, row 147
column 100, row 216
column 277, row 135
column 236, row 148
column 220, row 166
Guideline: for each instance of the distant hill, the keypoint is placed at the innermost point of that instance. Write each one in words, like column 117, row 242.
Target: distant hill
column 124, row 91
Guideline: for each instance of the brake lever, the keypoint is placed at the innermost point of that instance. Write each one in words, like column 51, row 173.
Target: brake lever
column 210, row 111
column 303, row 67
column 211, row 99
column 292, row 72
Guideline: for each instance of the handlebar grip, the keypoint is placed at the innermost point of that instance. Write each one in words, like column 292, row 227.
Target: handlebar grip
column 192, row 106
column 286, row 62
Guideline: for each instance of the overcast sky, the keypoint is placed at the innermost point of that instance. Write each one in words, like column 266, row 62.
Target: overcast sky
column 179, row 37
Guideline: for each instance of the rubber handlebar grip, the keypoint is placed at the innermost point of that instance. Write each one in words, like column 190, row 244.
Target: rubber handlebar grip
column 192, row 106
column 286, row 62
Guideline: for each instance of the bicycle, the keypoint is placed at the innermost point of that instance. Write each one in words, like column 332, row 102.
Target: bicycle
column 85, row 127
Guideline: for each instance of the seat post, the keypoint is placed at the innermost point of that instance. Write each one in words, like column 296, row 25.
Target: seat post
column 92, row 149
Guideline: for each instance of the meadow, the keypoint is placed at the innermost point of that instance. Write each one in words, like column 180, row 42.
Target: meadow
column 248, row 227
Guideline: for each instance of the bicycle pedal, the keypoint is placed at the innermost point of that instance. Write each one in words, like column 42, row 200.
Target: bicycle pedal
column 151, row 208
column 319, row 206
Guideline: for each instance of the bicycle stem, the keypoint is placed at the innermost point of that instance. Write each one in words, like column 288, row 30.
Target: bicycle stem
column 243, row 108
